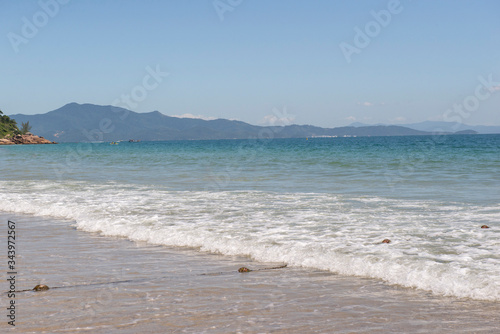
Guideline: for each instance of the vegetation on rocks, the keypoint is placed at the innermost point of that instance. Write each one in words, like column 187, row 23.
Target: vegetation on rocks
column 8, row 126
column 11, row 135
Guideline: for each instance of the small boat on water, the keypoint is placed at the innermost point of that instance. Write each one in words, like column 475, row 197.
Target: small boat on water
column 113, row 143
column 134, row 140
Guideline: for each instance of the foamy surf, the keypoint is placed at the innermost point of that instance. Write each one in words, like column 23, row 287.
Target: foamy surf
column 438, row 247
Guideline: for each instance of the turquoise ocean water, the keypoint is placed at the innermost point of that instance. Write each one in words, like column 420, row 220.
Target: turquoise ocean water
column 322, row 203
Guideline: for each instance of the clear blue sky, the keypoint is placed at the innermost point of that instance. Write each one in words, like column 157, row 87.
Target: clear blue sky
column 256, row 60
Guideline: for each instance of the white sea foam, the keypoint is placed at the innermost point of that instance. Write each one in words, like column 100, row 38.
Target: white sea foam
column 438, row 247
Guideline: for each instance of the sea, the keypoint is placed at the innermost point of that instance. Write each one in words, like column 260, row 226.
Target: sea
column 321, row 206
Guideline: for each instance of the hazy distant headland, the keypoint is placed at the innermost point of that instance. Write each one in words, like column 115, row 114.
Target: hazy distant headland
column 88, row 123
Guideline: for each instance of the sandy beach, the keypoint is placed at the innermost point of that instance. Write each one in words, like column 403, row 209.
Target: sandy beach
column 105, row 285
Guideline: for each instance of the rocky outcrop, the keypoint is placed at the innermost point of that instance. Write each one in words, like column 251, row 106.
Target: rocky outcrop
column 28, row 138
column 6, row 142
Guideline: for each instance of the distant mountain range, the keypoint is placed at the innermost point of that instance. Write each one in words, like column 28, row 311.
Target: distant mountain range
column 87, row 122
column 431, row 126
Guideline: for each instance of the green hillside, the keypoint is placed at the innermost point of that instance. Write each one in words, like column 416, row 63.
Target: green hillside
column 8, row 126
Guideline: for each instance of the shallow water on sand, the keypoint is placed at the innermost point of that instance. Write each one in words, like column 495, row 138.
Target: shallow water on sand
column 105, row 285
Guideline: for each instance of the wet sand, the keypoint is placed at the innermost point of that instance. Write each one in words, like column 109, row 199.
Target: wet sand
column 107, row 285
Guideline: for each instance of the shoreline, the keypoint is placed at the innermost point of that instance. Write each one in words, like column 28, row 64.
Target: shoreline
column 109, row 284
